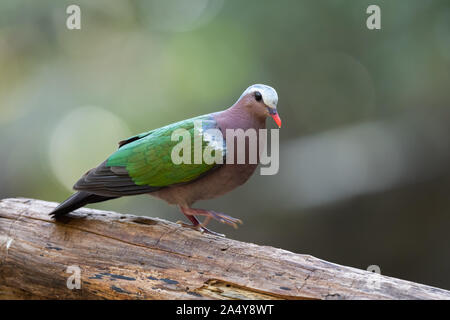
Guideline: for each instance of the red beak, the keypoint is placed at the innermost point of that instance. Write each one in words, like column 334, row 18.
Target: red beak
column 277, row 119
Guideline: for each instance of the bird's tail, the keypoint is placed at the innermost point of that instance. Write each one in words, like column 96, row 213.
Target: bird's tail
column 77, row 200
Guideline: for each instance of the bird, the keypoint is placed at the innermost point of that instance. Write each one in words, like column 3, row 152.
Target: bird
column 142, row 164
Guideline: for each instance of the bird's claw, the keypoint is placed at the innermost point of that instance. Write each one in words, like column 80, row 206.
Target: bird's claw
column 206, row 230
column 200, row 228
column 223, row 218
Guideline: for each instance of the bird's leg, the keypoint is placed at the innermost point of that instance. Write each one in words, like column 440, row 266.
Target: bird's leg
column 209, row 214
column 219, row 216
column 196, row 224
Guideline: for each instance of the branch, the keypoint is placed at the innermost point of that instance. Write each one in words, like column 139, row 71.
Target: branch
column 130, row 257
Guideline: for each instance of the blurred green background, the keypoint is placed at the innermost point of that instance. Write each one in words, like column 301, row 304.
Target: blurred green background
column 365, row 155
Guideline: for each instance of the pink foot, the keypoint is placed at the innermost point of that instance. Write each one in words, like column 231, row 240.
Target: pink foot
column 190, row 213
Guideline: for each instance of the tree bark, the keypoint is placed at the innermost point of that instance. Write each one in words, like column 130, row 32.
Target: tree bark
column 122, row 256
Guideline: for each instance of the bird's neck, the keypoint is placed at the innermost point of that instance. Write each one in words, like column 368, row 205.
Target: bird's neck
column 238, row 116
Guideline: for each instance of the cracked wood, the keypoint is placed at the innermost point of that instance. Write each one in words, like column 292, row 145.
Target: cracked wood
column 130, row 257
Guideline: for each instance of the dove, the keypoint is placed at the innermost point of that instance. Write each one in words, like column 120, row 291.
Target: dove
column 143, row 164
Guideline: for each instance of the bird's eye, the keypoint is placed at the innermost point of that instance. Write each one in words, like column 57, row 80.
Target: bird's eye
column 258, row 96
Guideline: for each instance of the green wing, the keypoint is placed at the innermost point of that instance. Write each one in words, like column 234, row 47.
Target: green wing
column 147, row 157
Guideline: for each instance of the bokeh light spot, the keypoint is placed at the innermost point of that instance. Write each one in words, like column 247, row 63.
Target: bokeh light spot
column 83, row 139
column 179, row 15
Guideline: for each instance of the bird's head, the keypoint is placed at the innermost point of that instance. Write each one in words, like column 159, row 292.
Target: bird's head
column 262, row 101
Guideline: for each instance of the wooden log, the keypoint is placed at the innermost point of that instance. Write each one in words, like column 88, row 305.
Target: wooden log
column 130, row 257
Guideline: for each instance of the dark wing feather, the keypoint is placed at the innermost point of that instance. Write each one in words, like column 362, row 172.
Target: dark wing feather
column 110, row 181
column 134, row 138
